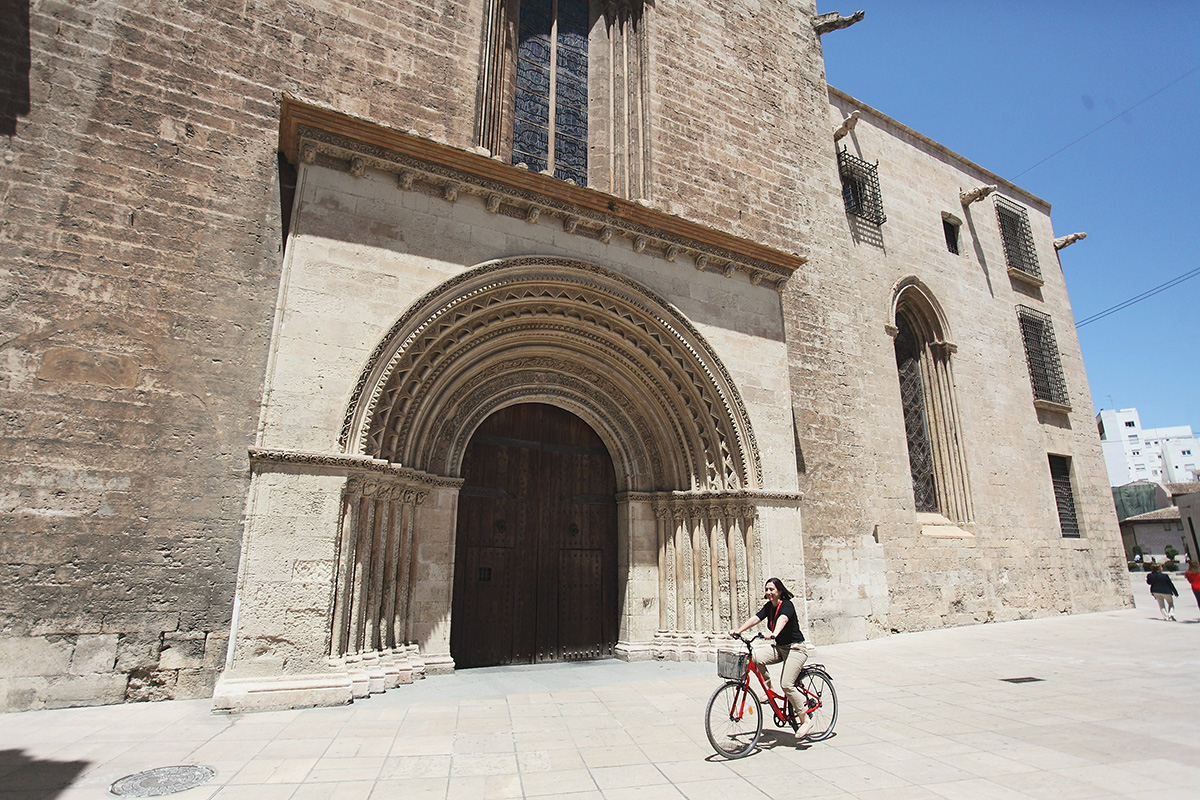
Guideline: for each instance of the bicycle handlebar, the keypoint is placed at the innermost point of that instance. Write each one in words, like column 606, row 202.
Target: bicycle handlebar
column 746, row 641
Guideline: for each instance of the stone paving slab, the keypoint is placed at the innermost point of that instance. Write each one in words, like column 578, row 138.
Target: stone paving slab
column 928, row 715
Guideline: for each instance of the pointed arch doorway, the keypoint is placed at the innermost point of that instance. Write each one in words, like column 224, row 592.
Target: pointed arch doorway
column 535, row 567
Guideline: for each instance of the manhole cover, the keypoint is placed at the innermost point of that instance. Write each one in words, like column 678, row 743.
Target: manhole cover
column 162, row 780
column 1022, row 680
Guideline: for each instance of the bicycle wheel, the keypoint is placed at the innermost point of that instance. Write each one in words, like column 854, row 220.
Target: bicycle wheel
column 733, row 720
column 822, row 703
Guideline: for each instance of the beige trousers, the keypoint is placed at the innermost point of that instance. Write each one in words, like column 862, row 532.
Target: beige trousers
column 793, row 657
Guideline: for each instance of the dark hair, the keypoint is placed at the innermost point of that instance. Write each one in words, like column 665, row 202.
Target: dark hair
column 784, row 594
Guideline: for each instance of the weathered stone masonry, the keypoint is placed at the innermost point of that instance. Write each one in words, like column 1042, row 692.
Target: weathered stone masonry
column 180, row 377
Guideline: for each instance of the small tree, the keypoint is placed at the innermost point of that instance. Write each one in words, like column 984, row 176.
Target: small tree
column 1170, row 552
column 1137, row 550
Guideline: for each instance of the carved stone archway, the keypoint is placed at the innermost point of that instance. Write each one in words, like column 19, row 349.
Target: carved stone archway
column 593, row 342
column 562, row 331
column 379, row 549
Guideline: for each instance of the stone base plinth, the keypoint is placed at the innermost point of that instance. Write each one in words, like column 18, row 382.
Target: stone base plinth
column 280, row 693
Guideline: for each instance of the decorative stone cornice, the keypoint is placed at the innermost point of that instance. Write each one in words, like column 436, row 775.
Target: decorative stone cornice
column 319, row 136
column 265, row 459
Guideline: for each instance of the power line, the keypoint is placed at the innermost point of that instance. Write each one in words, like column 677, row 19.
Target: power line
column 1133, row 300
column 1150, row 96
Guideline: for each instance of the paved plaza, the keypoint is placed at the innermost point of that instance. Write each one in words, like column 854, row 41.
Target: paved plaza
column 1116, row 713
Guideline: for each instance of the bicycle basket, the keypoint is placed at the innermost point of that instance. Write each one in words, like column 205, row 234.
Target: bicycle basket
column 731, row 665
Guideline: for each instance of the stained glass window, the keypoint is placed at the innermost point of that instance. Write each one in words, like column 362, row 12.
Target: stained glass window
column 550, row 123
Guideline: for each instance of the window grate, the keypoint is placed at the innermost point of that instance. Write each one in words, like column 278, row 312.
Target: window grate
column 1064, row 497
column 1018, row 239
column 951, row 231
column 912, row 401
column 1041, row 354
column 860, row 188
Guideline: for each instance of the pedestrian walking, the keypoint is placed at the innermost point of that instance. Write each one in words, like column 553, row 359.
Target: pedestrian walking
column 1193, row 579
column 1163, row 589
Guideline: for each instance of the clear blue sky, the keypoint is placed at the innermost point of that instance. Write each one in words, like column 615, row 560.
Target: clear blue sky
column 1007, row 84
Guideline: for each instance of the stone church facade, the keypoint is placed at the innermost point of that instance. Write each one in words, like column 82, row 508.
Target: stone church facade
column 348, row 343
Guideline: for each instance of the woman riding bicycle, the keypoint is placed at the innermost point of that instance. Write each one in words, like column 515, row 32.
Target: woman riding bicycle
column 784, row 643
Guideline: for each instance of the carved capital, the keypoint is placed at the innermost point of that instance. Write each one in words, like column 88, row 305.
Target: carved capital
column 358, row 167
column 308, row 154
column 405, row 179
column 701, row 262
column 639, row 243
column 450, row 192
column 493, row 203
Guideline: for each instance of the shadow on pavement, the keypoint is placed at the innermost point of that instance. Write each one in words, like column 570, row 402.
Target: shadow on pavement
column 24, row 777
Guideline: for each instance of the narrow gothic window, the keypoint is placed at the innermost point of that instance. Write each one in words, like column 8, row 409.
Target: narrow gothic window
column 936, row 457
column 912, row 400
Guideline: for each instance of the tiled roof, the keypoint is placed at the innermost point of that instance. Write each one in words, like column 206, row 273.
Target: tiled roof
column 1157, row 515
column 1173, row 489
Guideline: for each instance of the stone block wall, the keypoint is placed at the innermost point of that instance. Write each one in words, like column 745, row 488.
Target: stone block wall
column 141, row 241
column 874, row 564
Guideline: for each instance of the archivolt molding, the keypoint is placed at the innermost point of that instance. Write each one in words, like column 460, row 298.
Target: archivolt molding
column 574, row 334
column 559, row 382
column 924, row 312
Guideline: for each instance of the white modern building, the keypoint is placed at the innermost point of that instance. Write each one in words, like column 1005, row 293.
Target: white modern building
column 1131, row 452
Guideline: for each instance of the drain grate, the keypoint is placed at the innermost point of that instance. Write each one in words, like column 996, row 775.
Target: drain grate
column 162, row 780
column 1022, row 680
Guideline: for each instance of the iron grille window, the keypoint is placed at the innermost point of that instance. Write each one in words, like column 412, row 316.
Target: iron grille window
column 1064, row 497
column 951, row 231
column 1018, row 239
column 550, row 124
column 1041, row 353
column 916, row 427
column 860, row 188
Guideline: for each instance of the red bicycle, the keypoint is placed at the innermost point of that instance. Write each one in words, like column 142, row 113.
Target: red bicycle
column 734, row 718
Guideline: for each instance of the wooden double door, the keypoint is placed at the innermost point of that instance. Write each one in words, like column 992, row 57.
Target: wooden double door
column 535, row 555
